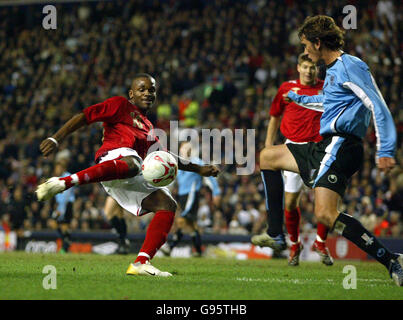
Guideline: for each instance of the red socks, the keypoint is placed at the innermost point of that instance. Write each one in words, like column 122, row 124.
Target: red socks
column 156, row 235
column 292, row 219
column 322, row 232
column 105, row 171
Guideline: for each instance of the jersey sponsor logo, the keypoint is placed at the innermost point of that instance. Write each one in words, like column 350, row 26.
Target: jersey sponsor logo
column 295, row 89
column 332, row 178
column 137, row 121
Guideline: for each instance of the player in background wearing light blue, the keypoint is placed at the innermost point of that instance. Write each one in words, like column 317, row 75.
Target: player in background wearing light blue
column 189, row 186
column 114, row 214
column 64, row 207
column 350, row 96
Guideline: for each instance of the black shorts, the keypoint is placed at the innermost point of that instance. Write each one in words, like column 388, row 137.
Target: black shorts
column 189, row 204
column 68, row 214
column 329, row 163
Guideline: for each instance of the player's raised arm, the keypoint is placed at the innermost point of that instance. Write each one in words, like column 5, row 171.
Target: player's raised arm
column 365, row 88
column 277, row 109
column 107, row 111
column 310, row 102
column 272, row 128
column 203, row 170
column 51, row 143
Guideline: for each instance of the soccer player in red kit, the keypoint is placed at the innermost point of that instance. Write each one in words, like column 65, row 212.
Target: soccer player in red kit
column 118, row 167
column 298, row 125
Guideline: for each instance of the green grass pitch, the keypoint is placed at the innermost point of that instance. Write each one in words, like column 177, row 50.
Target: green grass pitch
column 95, row 277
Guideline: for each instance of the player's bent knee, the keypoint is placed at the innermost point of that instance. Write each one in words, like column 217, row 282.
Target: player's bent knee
column 158, row 201
column 172, row 205
column 325, row 217
column 291, row 201
column 290, row 205
column 181, row 222
column 266, row 159
column 109, row 214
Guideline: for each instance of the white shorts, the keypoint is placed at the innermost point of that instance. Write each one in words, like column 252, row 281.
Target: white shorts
column 129, row 193
column 292, row 181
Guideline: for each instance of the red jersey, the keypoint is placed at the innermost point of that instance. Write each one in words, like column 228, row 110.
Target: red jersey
column 298, row 123
column 124, row 124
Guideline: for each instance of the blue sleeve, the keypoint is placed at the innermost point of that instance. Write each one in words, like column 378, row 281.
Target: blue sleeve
column 214, row 186
column 210, row 181
column 197, row 161
column 61, row 203
column 363, row 84
column 310, row 102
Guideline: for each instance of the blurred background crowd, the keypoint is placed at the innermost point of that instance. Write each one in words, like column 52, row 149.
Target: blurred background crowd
column 219, row 65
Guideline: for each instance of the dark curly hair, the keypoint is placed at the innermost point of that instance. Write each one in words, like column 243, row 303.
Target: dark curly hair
column 323, row 28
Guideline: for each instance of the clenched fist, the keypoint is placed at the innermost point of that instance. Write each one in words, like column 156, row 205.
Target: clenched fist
column 48, row 146
column 209, row 170
column 385, row 164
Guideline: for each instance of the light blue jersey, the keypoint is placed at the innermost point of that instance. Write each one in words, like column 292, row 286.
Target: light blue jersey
column 350, row 95
column 62, row 199
column 189, row 182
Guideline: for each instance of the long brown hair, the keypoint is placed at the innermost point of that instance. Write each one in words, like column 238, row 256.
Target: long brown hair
column 323, row 28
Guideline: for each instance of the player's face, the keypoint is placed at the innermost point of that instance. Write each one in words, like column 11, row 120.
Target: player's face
column 143, row 92
column 311, row 49
column 307, row 72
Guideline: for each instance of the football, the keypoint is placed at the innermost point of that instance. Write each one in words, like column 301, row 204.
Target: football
column 159, row 168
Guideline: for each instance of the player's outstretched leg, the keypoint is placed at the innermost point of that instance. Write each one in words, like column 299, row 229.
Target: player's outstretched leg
column 274, row 193
column 319, row 246
column 272, row 160
column 157, row 232
column 105, row 171
column 326, row 212
column 354, row 231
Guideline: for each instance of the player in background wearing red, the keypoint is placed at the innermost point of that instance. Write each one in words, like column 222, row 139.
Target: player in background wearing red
column 118, row 167
column 298, row 125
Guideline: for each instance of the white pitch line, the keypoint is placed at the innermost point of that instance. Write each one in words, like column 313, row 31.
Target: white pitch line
column 307, row 281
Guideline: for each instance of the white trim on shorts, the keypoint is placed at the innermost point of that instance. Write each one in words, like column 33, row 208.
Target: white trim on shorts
column 130, row 192
column 292, row 181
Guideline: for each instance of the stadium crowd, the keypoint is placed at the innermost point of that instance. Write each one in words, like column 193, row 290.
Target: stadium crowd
column 219, row 65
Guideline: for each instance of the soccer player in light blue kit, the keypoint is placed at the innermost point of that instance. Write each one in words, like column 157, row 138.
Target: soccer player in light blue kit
column 189, row 186
column 350, row 96
column 64, row 207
